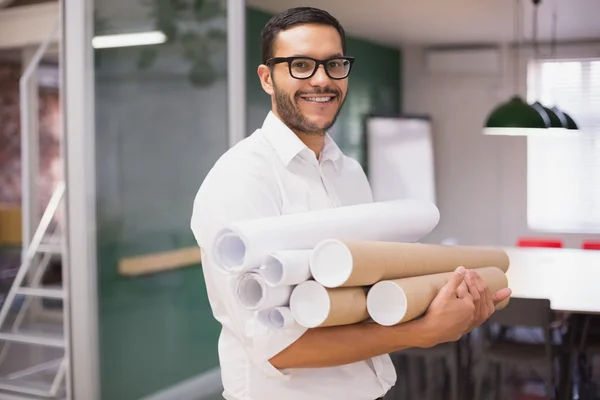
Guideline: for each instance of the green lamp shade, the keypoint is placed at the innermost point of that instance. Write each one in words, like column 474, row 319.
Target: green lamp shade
column 553, row 120
column 514, row 117
column 565, row 119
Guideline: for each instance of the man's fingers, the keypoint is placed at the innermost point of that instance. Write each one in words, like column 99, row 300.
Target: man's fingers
column 473, row 285
column 486, row 297
column 457, row 278
column 462, row 291
column 501, row 295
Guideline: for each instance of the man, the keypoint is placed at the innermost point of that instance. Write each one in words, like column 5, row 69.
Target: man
column 292, row 165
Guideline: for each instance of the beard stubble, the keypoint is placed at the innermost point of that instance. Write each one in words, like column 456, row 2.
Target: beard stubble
column 291, row 115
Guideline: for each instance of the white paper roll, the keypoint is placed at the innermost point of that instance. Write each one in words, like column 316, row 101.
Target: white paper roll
column 243, row 245
column 286, row 267
column 254, row 294
column 276, row 318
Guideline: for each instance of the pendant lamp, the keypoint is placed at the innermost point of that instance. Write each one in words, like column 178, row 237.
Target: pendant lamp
column 566, row 121
column 515, row 117
column 552, row 120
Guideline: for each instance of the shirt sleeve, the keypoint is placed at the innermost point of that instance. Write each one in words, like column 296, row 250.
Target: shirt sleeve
column 227, row 195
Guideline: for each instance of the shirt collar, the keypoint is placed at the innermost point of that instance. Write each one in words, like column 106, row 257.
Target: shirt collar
column 287, row 145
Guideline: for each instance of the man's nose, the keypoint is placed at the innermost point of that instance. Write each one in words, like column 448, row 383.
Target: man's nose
column 320, row 78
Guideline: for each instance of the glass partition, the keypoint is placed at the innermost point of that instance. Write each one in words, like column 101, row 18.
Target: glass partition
column 159, row 95
column 161, row 123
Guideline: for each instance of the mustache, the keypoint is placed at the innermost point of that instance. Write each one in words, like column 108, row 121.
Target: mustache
column 319, row 91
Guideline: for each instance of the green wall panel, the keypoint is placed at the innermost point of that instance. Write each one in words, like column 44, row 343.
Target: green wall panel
column 258, row 103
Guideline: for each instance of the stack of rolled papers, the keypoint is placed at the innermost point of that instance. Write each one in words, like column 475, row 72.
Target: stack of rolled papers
column 346, row 265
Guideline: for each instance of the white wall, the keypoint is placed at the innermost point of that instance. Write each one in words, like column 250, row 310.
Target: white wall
column 481, row 181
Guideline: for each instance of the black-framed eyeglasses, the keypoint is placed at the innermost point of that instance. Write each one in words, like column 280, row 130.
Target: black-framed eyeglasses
column 305, row 67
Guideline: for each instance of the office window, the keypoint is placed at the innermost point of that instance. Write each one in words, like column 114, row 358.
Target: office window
column 563, row 172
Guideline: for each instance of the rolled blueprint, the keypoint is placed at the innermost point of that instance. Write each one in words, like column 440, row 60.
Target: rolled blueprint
column 276, row 317
column 243, row 245
column 337, row 263
column 286, row 267
column 395, row 301
column 254, row 294
column 314, row 306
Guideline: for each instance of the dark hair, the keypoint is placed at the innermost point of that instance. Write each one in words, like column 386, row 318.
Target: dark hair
column 292, row 17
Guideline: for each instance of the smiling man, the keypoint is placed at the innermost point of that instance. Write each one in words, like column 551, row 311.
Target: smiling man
column 292, row 165
column 305, row 72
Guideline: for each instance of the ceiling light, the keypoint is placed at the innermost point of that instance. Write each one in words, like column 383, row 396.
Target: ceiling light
column 129, row 39
column 514, row 117
column 552, row 120
column 565, row 119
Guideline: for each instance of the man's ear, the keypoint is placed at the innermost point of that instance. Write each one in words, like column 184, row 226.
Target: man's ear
column 264, row 73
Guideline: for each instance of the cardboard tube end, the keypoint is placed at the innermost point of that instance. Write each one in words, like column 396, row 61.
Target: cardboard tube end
column 272, row 271
column 386, row 303
column 310, row 304
column 331, row 263
column 230, row 252
column 251, row 291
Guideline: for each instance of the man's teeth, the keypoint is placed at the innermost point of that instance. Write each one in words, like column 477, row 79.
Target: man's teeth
column 319, row 99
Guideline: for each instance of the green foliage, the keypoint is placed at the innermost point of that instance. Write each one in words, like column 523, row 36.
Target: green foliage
column 194, row 27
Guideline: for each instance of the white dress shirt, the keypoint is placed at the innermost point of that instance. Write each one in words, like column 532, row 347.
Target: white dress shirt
column 272, row 172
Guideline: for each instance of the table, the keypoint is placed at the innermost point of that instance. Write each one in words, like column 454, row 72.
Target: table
column 569, row 278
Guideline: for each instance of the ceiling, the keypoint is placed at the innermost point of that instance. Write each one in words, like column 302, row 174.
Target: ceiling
column 434, row 22
column 19, row 3
column 443, row 22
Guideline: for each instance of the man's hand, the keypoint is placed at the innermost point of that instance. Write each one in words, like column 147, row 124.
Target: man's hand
column 451, row 312
column 485, row 302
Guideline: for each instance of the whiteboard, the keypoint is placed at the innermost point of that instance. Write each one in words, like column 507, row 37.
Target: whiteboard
column 400, row 158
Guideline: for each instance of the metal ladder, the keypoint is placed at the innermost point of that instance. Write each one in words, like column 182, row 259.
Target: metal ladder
column 47, row 376
column 40, row 247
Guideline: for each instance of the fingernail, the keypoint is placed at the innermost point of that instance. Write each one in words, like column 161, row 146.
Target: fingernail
column 461, row 270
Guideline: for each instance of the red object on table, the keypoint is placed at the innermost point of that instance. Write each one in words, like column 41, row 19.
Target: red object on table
column 590, row 245
column 539, row 242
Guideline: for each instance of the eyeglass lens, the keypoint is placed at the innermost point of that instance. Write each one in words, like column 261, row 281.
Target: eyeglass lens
column 304, row 67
